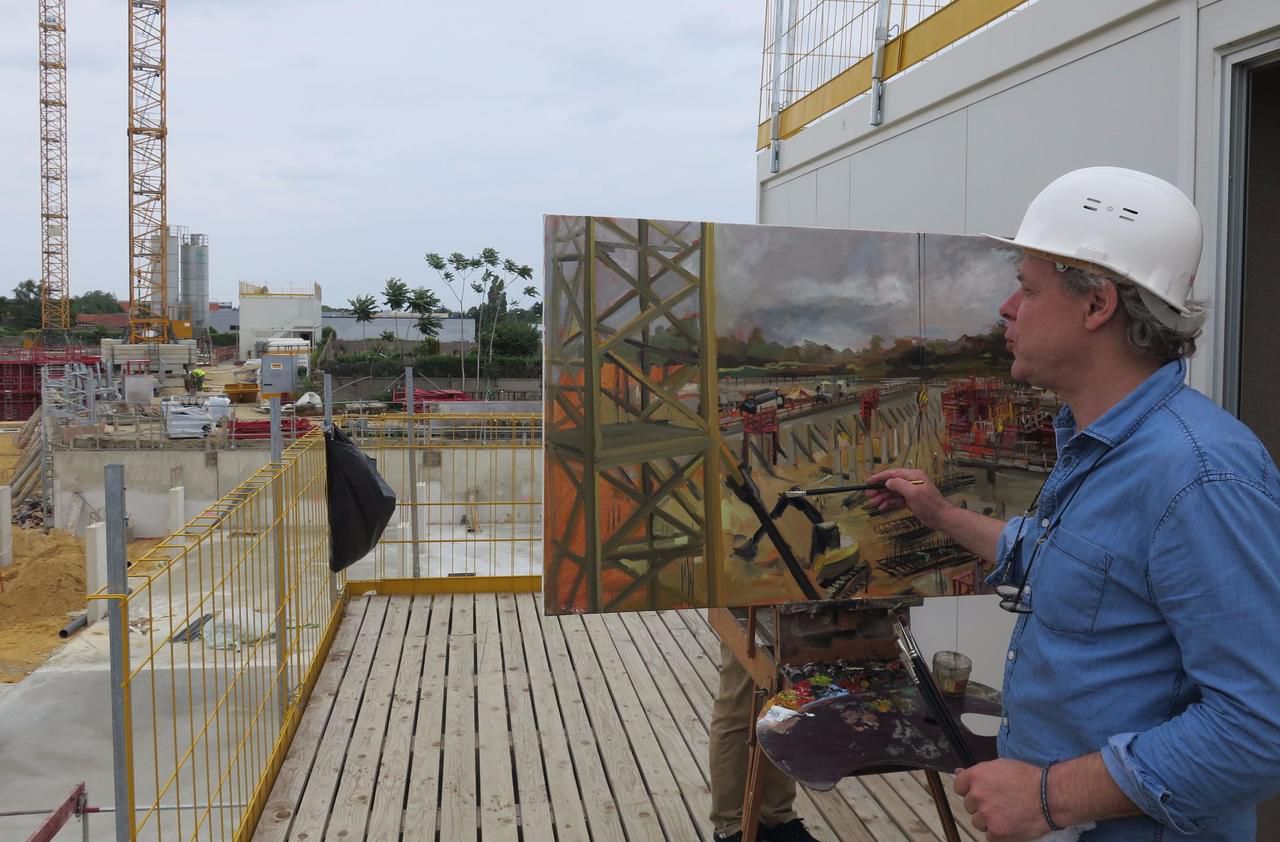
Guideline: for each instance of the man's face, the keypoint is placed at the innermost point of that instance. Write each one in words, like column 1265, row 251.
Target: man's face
column 1044, row 324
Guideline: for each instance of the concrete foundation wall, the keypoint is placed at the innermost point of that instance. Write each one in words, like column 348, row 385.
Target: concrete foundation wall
column 148, row 476
column 509, row 476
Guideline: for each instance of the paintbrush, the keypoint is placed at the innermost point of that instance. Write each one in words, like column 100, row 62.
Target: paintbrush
column 841, row 489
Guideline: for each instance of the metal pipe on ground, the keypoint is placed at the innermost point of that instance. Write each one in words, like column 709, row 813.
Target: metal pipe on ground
column 74, row 626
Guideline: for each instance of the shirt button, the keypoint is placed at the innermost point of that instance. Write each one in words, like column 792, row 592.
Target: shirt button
column 1011, row 655
column 1004, row 721
column 1044, row 523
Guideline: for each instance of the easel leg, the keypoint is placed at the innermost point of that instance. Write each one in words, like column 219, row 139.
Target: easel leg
column 751, row 796
column 944, row 807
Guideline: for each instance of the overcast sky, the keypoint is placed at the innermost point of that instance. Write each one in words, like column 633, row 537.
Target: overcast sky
column 337, row 142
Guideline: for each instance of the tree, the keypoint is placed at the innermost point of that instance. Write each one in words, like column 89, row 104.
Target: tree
column 95, row 301
column 515, row 339
column 364, row 308
column 395, row 295
column 456, row 272
column 425, row 304
column 388, row 336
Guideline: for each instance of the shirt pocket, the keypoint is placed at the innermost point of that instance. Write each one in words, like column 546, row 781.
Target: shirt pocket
column 1070, row 582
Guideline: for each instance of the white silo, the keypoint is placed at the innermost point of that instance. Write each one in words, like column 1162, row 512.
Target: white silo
column 195, row 280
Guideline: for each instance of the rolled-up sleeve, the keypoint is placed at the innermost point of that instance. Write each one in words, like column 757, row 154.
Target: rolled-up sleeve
column 1214, row 573
column 1007, row 536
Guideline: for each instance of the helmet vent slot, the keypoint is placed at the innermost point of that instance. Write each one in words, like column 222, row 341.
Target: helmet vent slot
column 1090, row 207
column 1130, row 211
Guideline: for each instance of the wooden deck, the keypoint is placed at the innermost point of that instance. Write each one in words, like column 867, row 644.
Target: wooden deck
column 476, row 718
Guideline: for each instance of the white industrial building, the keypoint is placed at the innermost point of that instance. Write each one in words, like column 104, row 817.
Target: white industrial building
column 277, row 314
column 453, row 333
column 993, row 100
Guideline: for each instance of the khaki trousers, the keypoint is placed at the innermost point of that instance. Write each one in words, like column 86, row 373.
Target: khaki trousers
column 731, row 717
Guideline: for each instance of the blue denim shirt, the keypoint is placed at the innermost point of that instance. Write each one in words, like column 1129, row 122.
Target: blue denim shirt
column 1155, row 614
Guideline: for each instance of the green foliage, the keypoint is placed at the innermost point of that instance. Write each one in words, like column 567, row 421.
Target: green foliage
column 388, row 336
column 95, row 301
column 223, row 340
column 514, row 338
column 395, row 295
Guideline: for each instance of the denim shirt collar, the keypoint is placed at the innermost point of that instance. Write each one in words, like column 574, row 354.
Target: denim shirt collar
column 1120, row 421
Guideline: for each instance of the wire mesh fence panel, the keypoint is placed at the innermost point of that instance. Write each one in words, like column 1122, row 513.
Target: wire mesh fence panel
column 224, row 625
column 472, row 483
column 809, row 44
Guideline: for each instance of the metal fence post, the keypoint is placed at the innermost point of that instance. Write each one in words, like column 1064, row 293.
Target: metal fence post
column 328, row 425
column 413, row 473
column 118, row 624
column 278, row 550
column 328, row 401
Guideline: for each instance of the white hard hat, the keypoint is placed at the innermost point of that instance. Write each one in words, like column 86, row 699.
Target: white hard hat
column 1135, row 225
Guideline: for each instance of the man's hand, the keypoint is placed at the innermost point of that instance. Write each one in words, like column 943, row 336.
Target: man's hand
column 924, row 500
column 1003, row 796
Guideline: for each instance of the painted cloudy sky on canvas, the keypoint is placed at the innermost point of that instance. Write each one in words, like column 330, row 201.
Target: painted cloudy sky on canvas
column 840, row 288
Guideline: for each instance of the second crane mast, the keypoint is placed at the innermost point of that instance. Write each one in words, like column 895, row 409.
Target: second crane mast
column 148, row 174
column 55, row 282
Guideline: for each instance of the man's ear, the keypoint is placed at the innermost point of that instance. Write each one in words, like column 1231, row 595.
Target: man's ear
column 1100, row 305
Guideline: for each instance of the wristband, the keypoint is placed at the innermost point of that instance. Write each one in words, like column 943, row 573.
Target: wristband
column 1044, row 798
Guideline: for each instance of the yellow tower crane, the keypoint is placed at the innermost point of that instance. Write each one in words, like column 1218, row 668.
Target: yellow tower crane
column 55, row 283
column 148, row 179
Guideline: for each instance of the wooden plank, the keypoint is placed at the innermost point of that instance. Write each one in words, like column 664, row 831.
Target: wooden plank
column 497, row 791
column 458, row 817
column 696, row 620
column 349, row 815
column 567, row 806
column 873, row 816
column 698, row 691
column 963, row 819
column 317, row 798
column 531, row 784
column 708, row 666
column 687, row 709
column 421, row 807
column 634, row 803
column 278, row 815
column 689, row 775
column 393, row 771
column 700, row 700
column 916, row 794
column 664, row 793
column 898, row 810
column 841, row 818
column 601, row 810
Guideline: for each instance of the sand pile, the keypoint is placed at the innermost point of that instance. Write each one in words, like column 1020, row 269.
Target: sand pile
column 42, row 589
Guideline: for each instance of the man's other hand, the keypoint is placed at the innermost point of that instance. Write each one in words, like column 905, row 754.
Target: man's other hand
column 1003, row 797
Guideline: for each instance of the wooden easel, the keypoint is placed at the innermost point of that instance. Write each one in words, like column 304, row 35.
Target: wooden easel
column 762, row 665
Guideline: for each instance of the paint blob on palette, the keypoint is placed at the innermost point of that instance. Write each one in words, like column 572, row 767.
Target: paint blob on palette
column 697, row 373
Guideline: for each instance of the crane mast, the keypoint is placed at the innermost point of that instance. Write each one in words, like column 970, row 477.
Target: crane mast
column 55, row 284
column 148, row 182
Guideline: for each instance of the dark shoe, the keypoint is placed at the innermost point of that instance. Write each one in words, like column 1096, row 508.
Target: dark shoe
column 792, row 831
column 761, row 835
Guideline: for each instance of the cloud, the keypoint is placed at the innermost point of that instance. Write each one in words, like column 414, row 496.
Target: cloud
column 321, row 141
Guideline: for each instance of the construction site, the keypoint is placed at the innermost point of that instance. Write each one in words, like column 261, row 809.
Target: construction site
column 179, row 660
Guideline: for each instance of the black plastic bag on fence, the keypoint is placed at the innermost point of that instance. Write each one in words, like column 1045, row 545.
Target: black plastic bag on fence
column 360, row 501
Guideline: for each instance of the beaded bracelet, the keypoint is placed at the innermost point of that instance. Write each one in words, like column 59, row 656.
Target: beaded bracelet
column 1044, row 798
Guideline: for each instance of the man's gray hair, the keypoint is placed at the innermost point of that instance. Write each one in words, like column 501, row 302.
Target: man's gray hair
column 1147, row 334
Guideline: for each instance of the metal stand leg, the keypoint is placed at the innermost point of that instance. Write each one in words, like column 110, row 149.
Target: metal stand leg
column 939, row 794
